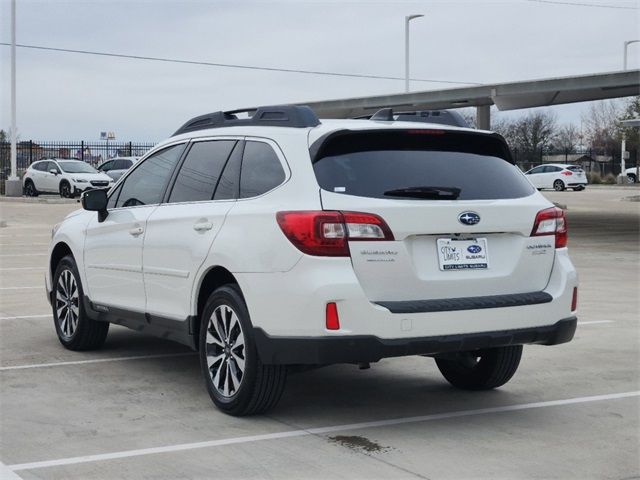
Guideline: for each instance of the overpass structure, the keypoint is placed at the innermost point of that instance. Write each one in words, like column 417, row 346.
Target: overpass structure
column 505, row 96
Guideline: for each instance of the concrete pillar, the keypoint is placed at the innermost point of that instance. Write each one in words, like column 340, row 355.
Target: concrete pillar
column 483, row 117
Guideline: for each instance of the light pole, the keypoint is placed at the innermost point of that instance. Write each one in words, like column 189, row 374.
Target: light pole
column 626, row 44
column 407, row 19
column 13, row 186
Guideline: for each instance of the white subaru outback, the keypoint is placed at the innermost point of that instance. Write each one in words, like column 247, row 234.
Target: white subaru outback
column 278, row 240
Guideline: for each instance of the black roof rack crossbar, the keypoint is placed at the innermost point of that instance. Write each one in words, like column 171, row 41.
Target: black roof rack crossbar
column 296, row 116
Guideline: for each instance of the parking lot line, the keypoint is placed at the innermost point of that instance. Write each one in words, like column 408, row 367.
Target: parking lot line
column 7, row 269
column 23, row 254
column 595, row 322
column 21, row 244
column 44, row 315
column 7, row 474
column 21, row 288
column 96, row 360
column 316, row 431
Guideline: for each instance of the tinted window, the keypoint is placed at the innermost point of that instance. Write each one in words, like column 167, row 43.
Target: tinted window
column 40, row 166
column 200, row 171
column 113, row 197
column 229, row 184
column 122, row 164
column 261, row 170
column 51, row 166
column 417, row 165
column 536, row 170
column 551, row 169
column 76, row 166
column 105, row 167
column 575, row 168
column 146, row 184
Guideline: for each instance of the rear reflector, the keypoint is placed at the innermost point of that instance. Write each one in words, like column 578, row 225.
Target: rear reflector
column 574, row 299
column 331, row 317
column 327, row 233
column 551, row 221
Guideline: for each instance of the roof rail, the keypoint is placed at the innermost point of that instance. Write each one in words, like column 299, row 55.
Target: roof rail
column 442, row 117
column 295, row 116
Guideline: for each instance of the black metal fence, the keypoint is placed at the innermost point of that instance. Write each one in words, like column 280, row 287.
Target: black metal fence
column 93, row 153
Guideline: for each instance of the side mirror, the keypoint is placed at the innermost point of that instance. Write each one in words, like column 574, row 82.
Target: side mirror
column 54, row 171
column 96, row 201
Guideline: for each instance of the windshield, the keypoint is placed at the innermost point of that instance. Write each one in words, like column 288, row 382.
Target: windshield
column 420, row 167
column 76, row 166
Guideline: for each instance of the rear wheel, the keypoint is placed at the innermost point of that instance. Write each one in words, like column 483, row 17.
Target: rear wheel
column 558, row 186
column 65, row 190
column 631, row 177
column 30, row 189
column 578, row 189
column 237, row 381
column 76, row 331
column 481, row 369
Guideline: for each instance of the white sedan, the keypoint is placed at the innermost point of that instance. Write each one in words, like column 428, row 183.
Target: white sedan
column 68, row 177
column 558, row 176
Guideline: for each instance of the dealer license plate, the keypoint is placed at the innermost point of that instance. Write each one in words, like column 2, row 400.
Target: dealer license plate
column 465, row 254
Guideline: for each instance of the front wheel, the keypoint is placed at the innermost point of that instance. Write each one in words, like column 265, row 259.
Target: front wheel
column 558, row 186
column 237, row 381
column 76, row 331
column 481, row 369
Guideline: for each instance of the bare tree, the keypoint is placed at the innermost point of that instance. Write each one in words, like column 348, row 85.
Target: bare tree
column 601, row 128
column 567, row 138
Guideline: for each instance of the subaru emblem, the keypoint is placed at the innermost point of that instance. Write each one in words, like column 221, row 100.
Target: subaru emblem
column 469, row 218
column 474, row 248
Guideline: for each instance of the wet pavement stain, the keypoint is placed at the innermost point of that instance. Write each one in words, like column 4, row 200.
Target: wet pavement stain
column 356, row 442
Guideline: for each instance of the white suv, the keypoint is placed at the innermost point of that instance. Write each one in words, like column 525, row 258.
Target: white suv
column 279, row 240
column 66, row 176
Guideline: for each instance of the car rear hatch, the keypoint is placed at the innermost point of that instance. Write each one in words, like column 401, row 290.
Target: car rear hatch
column 575, row 174
column 460, row 213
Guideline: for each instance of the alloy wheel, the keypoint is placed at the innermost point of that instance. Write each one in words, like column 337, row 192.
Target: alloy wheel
column 225, row 351
column 558, row 185
column 67, row 304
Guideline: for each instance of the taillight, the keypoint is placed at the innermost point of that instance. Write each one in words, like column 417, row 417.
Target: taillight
column 551, row 221
column 566, row 172
column 327, row 233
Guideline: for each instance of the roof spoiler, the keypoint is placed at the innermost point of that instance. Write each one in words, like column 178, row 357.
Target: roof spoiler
column 442, row 117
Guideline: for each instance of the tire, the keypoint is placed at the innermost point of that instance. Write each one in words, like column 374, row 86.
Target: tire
column 76, row 331
column 481, row 370
column 631, row 178
column 578, row 189
column 30, row 189
column 65, row 190
column 226, row 340
column 558, row 185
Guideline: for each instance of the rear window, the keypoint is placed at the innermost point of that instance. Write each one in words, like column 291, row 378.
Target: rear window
column 419, row 164
column 575, row 168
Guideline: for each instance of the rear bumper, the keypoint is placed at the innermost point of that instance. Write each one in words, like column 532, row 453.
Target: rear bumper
column 368, row 348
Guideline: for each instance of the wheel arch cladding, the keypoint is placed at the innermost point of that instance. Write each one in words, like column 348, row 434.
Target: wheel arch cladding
column 60, row 251
column 215, row 278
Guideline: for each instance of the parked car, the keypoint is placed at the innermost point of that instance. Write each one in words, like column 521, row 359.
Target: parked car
column 558, row 176
column 68, row 177
column 116, row 167
column 279, row 240
column 632, row 174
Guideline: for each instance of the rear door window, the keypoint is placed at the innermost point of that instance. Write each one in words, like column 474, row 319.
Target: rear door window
column 200, row 172
column 434, row 165
column 261, row 170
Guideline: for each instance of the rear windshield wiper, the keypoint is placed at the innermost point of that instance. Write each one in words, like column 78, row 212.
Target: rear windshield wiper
column 435, row 193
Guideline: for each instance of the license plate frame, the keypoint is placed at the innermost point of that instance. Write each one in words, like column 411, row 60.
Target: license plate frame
column 455, row 254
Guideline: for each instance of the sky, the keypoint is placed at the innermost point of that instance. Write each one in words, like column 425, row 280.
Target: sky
column 65, row 96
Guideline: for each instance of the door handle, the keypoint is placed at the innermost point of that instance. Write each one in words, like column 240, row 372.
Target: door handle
column 202, row 226
column 136, row 231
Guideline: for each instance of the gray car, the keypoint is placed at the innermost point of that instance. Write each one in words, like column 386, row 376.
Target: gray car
column 116, row 167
